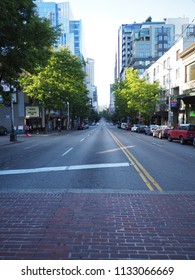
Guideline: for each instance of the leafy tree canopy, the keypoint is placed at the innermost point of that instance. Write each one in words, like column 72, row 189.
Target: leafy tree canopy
column 149, row 19
column 61, row 80
column 135, row 96
column 25, row 39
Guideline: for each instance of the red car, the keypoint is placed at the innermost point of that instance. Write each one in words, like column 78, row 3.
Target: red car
column 183, row 132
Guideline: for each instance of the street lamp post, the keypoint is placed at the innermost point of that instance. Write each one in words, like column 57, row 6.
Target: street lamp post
column 12, row 134
column 68, row 113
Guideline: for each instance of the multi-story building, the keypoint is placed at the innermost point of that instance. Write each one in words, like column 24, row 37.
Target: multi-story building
column 76, row 30
column 112, row 101
column 187, row 95
column 175, row 72
column 149, row 43
column 90, row 81
column 124, row 47
column 141, row 44
column 60, row 14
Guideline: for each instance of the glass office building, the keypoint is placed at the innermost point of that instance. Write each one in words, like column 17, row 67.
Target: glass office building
column 60, row 14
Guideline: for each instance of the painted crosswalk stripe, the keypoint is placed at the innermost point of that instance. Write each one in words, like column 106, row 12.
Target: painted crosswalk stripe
column 64, row 168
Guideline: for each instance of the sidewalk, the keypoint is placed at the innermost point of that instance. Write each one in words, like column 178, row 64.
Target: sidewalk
column 5, row 140
column 96, row 225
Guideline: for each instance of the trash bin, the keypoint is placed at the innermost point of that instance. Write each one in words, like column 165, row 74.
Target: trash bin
column 13, row 137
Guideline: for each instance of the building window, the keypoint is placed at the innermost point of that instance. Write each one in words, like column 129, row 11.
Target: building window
column 190, row 72
column 177, row 73
column 166, row 46
column 168, row 62
column 142, row 46
column 164, row 80
column 177, row 55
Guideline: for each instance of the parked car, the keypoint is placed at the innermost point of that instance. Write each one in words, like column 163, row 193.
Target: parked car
column 123, row 125
column 119, row 124
column 135, row 127
column 183, row 132
column 82, row 126
column 128, row 126
column 141, row 128
column 3, row 130
column 161, row 131
column 150, row 129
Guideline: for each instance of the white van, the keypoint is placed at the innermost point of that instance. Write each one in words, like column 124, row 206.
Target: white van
column 123, row 125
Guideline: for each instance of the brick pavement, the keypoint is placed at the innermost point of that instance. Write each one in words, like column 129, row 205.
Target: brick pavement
column 94, row 225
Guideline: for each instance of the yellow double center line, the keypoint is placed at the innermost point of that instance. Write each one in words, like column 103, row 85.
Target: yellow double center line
column 146, row 177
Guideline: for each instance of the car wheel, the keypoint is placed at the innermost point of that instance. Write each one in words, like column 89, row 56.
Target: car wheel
column 169, row 138
column 181, row 140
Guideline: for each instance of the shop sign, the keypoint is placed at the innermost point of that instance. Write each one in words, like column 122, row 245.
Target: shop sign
column 173, row 103
column 192, row 114
column 32, row 112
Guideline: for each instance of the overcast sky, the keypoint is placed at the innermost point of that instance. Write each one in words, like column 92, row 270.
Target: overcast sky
column 101, row 20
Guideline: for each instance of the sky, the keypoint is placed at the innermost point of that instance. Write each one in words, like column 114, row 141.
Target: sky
column 101, row 20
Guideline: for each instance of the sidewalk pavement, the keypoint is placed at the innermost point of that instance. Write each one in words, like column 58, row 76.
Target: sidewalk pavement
column 94, row 225
column 5, row 140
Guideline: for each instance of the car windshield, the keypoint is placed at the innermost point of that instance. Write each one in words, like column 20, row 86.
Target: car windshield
column 164, row 126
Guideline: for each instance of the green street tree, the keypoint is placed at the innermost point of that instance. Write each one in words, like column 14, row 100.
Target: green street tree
column 122, row 109
column 59, row 82
column 25, row 39
column 136, row 96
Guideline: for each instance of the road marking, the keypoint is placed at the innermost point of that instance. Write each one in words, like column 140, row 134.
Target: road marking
column 146, row 177
column 67, row 152
column 156, row 144
column 64, row 168
column 31, row 147
column 113, row 150
column 82, row 140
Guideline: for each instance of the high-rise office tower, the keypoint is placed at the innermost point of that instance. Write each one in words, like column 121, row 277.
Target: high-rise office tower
column 60, row 14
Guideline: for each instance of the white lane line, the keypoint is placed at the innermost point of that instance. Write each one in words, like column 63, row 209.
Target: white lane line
column 82, row 140
column 156, row 144
column 64, row 168
column 67, row 152
column 31, row 147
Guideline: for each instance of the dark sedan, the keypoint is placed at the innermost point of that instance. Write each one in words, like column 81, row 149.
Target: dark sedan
column 141, row 129
column 3, row 130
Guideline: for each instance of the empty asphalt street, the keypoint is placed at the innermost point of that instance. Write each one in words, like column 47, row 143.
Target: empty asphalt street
column 97, row 194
